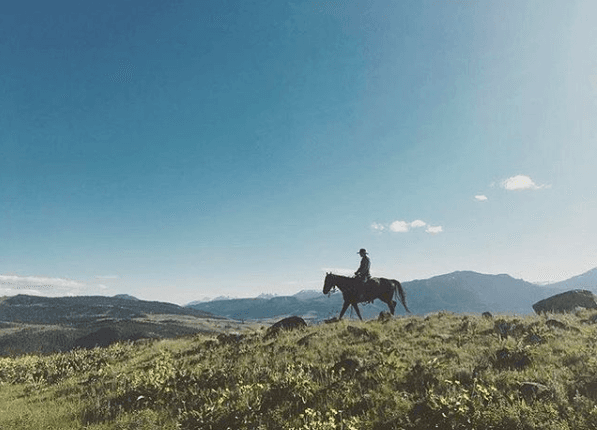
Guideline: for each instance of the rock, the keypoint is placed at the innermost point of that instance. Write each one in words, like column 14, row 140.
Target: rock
column 384, row 316
column 567, row 302
column 290, row 323
column 362, row 333
column 534, row 339
column 304, row 341
column 508, row 328
column 533, row 390
column 230, row 339
column 356, row 331
column 513, row 360
column 487, row 315
column 556, row 324
column 347, row 365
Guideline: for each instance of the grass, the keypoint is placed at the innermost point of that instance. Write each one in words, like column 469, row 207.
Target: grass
column 448, row 371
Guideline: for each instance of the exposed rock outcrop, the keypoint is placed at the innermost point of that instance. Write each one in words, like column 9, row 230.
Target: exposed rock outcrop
column 289, row 323
column 567, row 302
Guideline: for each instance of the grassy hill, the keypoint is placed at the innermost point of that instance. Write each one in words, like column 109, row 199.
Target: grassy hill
column 57, row 324
column 448, row 371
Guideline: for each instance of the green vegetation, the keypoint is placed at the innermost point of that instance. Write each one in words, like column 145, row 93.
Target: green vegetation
column 445, row 371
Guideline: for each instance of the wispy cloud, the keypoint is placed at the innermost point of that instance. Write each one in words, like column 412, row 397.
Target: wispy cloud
column 521, row 182
column 45, row 286
column 40, row 281
column 377, row 226
column 481, row 198
column 434, row 229
column 401, row 226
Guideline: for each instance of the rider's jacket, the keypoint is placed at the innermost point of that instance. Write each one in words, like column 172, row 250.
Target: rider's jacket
column 363, row 271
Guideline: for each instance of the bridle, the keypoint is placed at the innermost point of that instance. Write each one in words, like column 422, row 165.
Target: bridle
column 333, row 288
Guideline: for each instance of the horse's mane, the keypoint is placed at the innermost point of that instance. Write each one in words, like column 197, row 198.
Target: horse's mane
column 340, row 276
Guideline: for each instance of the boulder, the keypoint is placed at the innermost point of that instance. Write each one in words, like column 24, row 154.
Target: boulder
column 347, row 365
column 384, row 316
column 532, row 391
column 567, row 302
column 512, row 360
column 289, row 323
column 230, row 338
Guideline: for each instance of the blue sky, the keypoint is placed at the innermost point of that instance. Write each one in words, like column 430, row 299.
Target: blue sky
column 183, row 150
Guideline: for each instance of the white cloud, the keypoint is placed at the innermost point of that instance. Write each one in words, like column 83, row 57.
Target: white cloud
column 399, row 226
column 520, row 182
column 379, row 227
column 434, row 230
column 481, row 198
column 40, row 280
column 418, row 223
column 40, row 285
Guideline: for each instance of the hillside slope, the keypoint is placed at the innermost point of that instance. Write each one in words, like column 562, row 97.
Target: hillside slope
column 444, row 371
column 44, row 324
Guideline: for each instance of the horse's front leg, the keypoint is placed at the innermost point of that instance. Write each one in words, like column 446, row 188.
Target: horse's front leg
column 356, row 308
column 344, row 307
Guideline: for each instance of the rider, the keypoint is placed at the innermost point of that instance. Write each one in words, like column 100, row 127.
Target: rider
column 362, row 274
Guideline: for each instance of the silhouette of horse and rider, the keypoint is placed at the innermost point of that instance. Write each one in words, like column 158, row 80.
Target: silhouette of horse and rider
column 363, row 288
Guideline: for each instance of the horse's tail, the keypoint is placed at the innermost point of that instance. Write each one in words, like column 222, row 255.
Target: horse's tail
column 399, row 291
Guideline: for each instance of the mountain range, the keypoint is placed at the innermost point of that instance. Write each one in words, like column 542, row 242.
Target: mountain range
column 463, row 291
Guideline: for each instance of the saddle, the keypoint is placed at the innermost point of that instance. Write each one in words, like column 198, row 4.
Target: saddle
column 365, row 294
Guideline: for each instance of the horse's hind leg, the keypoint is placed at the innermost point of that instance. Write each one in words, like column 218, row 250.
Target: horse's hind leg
column 387, row 299
column 392, row 306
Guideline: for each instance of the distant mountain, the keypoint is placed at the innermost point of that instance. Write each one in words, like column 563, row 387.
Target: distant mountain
column 82, row 309
column 260, row 308
column 585, row 281
column 125, row 296
column 307, row 294
column 48, row 324
column 464, row 291
column 473, row 292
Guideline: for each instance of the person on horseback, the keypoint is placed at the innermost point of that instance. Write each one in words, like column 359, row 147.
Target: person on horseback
column 362, row 274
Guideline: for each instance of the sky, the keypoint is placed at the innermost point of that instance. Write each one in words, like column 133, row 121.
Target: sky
column 185, row 150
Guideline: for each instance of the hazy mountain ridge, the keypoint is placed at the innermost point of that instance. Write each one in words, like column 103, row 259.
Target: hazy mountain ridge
column 586, row 281
column 461, row 291
column 79, row 309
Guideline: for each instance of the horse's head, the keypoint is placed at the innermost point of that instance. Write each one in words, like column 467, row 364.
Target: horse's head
column 328, row 283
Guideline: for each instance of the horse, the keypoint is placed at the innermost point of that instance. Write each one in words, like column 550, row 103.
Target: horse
column 354, row 291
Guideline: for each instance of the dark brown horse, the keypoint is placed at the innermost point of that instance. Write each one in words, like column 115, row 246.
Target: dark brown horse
column 354, row 291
